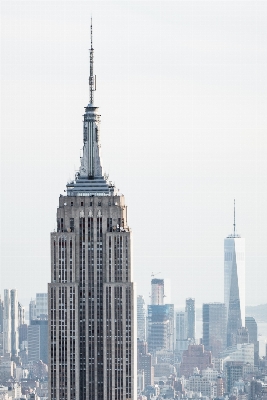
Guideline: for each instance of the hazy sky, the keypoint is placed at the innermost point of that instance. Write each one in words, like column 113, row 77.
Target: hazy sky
column 182, row 90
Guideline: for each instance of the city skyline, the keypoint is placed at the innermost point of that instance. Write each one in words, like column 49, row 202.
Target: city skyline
column 200, row 144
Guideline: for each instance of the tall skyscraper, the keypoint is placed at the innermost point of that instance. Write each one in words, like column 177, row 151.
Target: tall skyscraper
column 38, row 340
column 11, row 322
column 14, row 311
column 92, row 340
column 181, row 331
column 214, row 327
column 1, row 315
column 7, row 323
column 160, row 320
column 234, row 283
column 141, row 318
column 191, row 318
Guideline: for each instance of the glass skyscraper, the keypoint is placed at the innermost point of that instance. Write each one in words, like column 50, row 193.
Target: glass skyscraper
column 214, row 327
column 234, row 284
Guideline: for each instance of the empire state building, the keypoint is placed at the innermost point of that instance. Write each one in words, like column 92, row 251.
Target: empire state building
column 91, row 294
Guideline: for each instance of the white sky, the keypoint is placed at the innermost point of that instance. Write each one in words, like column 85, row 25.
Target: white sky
column 182, row 90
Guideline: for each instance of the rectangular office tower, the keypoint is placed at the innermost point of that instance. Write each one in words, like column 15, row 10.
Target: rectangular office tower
column 234, row 284
column 92, row 341
column 214, row 327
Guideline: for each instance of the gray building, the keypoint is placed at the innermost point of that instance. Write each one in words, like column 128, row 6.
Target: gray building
column 91, row 295
column 191, row 319
column 38, row 341
column 181, row 331
column 14, row 310
column 214, row 327
column 252, row 328
column 11, row 322
column 141, row 318
column 1, row 315
column 160, row 320
column 7, row 323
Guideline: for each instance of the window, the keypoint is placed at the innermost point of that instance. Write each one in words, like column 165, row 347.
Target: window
column 81, row 203
column 71, row 203
column 72, row 224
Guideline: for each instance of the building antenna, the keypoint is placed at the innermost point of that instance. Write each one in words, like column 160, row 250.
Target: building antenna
column 234, row 217
column 92, row 78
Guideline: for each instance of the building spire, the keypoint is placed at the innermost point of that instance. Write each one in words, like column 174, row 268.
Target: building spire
column 234, row 217
column 92, row 78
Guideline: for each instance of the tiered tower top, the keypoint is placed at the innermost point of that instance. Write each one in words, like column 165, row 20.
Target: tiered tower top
column 90, row 181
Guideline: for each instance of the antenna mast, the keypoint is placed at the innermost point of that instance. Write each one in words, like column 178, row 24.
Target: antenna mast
column 92, row 78
column 234, row 217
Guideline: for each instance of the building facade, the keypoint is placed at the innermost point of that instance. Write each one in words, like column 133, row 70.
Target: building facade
column 181, row 341
column 14, row 310
column 157, row 292
column 141, row 318
column 92, row 339
column 191, row 318
column 144, row 363
column 234, row 284
column 160, row 320
column 7, row 322
column 195, row 357
column 41, row 305
column 240, row 352
column 214, row 327
column 11, row 322
column 160, row 327
column 38, row 341
column 252, row 328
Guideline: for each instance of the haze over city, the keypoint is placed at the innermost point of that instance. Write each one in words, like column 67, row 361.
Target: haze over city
column 182, row 88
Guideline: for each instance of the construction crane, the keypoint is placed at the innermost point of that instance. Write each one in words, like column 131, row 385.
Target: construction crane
column 152, row 275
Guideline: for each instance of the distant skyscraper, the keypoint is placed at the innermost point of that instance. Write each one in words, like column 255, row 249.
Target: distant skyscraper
column 181, row 320
column 141, row 318
column 14, row 310
column 144, row 362
column 157, row 292
column 21, row 314
column 214, row 327
column 234, row 284
column 1, row 315
column 7, row 322
column 160, row 327
column 160, row 320
column 191, row 318
column 92, row 322
column 181, row 325
column 41, row 305
column 11, row 322
column 252, row 328
column 38, row 341
column 32, row 310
